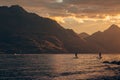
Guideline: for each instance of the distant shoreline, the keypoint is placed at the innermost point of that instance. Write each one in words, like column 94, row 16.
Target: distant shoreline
column 58, row 53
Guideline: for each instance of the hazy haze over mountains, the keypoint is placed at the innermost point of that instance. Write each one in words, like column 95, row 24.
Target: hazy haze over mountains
column 108, row 39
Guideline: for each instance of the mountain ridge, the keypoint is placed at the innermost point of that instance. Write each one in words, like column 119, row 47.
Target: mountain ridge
column 83, row 35
column 108, row 39
column 24, row 32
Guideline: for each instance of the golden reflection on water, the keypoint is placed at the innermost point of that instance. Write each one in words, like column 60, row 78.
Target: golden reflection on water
column 86, row 66
column 59, row 66
column 111, row 57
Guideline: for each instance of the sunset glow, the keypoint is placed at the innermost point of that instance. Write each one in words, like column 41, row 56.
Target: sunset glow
column 80, row 15
column 60, row 39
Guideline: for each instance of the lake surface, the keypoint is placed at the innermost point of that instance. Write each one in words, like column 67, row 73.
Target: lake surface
column 56, row 67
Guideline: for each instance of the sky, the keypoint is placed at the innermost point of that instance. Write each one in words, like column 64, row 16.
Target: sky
column 80, row 15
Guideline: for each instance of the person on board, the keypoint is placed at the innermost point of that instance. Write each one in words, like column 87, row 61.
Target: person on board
column 76, row 55
column 100, row 55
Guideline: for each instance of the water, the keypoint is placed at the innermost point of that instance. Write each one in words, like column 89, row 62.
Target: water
column 56, row 66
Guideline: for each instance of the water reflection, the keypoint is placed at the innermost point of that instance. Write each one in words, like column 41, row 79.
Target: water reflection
column 55, row 66
column 24, row 66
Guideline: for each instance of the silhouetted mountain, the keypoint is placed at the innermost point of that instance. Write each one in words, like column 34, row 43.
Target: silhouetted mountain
column 109, row 40
column 24, row 32
column 83, row 35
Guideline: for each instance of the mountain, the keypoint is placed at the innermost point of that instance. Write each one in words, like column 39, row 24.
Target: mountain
column 23, row 32
column 109, row 40
column 83, row 35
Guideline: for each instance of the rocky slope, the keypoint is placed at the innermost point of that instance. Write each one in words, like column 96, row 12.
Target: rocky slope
column 23, row 32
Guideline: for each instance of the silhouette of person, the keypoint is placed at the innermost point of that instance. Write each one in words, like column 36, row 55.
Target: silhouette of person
column 100, row 55
column 76, row 55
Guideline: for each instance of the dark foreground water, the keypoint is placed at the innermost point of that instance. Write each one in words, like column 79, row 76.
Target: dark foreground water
column 58, row 67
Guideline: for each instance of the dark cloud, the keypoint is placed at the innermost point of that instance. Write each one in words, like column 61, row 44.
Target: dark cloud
column 94, row 2
column 68, row 7
column 74, row 13
column 89, row 7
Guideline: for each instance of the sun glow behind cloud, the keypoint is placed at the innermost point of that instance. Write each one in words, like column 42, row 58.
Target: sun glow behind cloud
column 109, row 18
column 100, row 22
column 59, row 1
column 80, row 15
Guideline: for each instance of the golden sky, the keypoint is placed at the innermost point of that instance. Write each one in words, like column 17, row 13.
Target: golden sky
column 80, row 15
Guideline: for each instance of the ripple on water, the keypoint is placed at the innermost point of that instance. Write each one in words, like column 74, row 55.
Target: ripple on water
column 56, row 67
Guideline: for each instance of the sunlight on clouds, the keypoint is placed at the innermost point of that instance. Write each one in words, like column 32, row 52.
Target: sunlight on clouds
column 79, row 15
column 85, row 23
column 108, row 18
column 115, row 18
column 67, row 19
column 78, row 20
column 59, row 1
column 58, row 19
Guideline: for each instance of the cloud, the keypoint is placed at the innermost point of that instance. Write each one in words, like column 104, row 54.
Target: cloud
column 68, row 7
column 72, row 13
